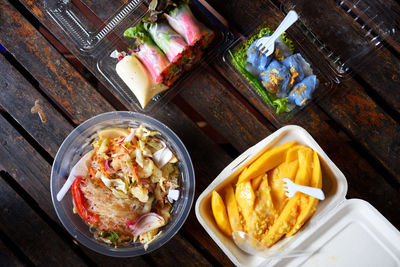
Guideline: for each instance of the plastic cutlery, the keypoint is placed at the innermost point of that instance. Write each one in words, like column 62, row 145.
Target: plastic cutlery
column 291, row 189
column 266, row 45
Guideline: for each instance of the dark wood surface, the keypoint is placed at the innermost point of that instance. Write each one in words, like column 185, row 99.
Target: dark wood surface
column 215, row 115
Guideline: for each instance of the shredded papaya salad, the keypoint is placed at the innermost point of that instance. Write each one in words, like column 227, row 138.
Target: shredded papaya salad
column 130, row 186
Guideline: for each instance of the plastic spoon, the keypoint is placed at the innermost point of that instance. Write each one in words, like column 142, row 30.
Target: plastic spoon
column 252, row 246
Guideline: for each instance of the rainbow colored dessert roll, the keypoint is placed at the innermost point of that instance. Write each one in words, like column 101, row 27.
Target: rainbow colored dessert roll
column 170, row 42
column 183, row 22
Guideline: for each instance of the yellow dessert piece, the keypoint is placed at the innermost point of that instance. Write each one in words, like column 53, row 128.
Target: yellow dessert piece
column 220, row 215
column 266, row 162
column 232, row 209
column 111, row 133
column 245, row 199
column 285, row 169
column 308, row 208
column 264, row 213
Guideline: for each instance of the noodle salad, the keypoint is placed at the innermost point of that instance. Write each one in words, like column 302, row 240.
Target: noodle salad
column 131, row 182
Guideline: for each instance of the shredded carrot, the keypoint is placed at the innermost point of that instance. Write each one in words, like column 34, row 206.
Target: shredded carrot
column 135, row 176
column 93, row 174
column 103, row 168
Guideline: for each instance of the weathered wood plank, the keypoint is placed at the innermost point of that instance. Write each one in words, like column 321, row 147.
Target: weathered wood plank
column 7, row 257
column 230, row 117
column 18, row 97
column 55, row 74
column 30, row 233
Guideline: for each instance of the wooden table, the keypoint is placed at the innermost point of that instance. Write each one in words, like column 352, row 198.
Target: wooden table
column 215, row 116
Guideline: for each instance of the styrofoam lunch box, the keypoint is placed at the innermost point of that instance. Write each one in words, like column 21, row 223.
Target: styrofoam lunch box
column 342, row 232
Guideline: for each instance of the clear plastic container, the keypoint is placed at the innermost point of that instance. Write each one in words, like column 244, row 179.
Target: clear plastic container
column 96, row 28
column 314, row 39
column 342, row 232
column 79, row 142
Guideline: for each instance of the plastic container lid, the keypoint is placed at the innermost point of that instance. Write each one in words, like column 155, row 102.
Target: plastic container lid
column 320, row 40
column 96, row 28
column 338, row 232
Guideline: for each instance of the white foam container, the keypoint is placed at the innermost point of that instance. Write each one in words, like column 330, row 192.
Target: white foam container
column 341, row 232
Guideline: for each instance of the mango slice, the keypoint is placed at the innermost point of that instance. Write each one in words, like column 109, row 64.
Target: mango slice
column 255, row 183
column 219, row 212
column 288, row 216
column 113, row 133
column 288, row 170
column 245, row 199
column 266, row 162
column 283, row 224
column 292, row 153
column 309, row 204
column 232, row 209
column 264, row 213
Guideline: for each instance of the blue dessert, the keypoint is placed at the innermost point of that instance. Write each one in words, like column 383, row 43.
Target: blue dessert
column 302, row 92
column 294, row 64
column 276, row 78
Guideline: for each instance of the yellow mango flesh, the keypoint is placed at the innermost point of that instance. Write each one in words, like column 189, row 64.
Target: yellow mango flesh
column 283, row 224
column 309, row 204
column 266, row 162
column 220, row 215
column 255, row 183
column 245, row 199
column 288, row 170
column 292, row 153
column 288, row 216
column 264, row 213
column 113, row 133
column 232, row 209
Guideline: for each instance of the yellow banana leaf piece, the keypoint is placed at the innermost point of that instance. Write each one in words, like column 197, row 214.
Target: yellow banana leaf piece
column 269, row 160
column 219, row 212
column 232, row 209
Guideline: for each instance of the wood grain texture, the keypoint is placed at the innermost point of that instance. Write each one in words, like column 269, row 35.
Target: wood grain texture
column 18, row 97
column 30, row 233
column 7, row 257
column 48, row 67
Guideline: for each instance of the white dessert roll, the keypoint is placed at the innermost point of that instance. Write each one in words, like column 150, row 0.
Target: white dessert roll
column 137, row 78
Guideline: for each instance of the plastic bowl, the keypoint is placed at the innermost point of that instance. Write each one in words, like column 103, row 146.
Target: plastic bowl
column 78, row 142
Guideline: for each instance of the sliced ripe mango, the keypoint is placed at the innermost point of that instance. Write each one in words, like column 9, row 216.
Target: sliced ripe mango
column 292, row 153
column 113, row 133
column 232, row 209
column 309, row 204
column 219, row 212
column 255, row 183
column 303, row 176
column 264, row 213
column 283, row 224
column 288, row 170
column 245, row 199
column 266, row 162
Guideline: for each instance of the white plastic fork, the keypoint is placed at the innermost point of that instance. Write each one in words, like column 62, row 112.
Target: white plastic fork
column 266, row 45
column 291, row 189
